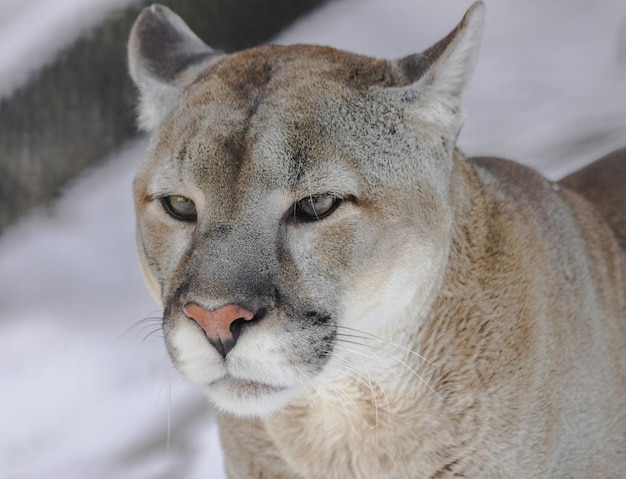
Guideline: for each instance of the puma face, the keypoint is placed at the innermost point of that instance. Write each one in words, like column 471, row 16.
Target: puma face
column 292, row 198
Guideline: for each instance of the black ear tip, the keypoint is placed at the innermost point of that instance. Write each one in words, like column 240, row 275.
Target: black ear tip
column 148, row 14
column 155, row 10
column 475, row 12
column 160, row 13
column 159, row 21
column 162, row 46
column 164, row 55
column 153, row 17
column 477, row 5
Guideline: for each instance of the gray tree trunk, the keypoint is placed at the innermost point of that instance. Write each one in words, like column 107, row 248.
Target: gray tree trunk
column 81, row 107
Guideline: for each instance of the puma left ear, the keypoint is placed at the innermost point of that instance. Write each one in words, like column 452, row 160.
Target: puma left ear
column 164, row 56
column 438, row 75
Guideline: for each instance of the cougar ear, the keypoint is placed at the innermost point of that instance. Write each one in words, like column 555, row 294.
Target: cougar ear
column 164, row 56
column 437, row 76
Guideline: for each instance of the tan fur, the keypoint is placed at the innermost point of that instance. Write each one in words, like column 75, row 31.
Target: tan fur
column 451, row 317
column 602, row 183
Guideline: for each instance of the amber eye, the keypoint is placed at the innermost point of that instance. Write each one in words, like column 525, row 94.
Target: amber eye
column 316, row 207
column 180, row 207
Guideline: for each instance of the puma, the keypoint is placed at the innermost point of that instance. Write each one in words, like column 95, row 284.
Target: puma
column 356, row 298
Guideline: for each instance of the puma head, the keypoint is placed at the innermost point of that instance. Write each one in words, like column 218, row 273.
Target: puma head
column 290, row 196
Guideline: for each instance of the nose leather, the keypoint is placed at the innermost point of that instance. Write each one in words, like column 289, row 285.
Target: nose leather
column 221, row 325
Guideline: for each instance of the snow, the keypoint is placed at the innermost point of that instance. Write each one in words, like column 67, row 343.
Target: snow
column 86, row 388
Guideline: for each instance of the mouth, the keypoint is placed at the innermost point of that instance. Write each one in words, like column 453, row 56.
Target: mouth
column 244, row 388
column 244, row 397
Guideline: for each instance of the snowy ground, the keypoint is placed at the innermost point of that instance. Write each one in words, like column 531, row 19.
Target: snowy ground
column 86, row 389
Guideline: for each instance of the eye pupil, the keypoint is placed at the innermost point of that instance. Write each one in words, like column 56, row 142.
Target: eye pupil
column 180, row 207
column 316, row 207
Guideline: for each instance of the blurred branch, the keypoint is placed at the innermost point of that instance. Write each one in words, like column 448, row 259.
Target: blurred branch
column 81, row 108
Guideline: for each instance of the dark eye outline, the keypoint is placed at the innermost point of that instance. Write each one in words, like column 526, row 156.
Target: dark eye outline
column 300, row 213
column 171, row 210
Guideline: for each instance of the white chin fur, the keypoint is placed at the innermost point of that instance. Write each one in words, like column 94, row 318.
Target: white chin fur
column 248, row 399
column 241, row 386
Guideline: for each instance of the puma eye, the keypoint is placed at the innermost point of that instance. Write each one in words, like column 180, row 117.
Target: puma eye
column 180, row 207
column 316, row 207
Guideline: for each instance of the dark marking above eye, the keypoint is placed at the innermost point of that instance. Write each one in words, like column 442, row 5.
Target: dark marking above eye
column 298, row 166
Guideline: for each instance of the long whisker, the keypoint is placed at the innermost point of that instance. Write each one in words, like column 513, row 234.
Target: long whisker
column 400, row 361
column 355, row 374
column 367, row 382
column 366, row 335
column 152, row 332
column 342, row 396
column 347, row 341
column 151, row 319
column 169, row 413
column 308, row 384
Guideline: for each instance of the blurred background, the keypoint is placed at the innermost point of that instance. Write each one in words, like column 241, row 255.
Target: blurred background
column 86, row 388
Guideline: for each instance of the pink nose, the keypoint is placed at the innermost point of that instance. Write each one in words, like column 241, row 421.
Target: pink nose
column 222, row 326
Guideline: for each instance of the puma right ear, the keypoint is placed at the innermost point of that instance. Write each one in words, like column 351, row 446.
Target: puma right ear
column 164, row 57
column 436, row 77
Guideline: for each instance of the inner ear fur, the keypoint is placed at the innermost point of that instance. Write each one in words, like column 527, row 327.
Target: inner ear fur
column 164, row 57
column 436, row 78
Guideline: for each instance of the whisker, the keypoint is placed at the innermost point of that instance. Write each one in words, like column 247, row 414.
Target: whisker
column 366, row 335
column 165, row 387
column 169, row 414
column 352, row 342
column 400, row 361
column 308, row 384
column 382, row 390
column 339, row 393
column 342, row 396
column 143, row 323
column 150, row 333
column 367, row 382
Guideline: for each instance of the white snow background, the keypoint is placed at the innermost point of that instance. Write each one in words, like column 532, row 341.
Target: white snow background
column 86, row 389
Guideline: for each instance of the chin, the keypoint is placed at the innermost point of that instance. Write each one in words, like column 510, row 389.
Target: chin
column 245, row 398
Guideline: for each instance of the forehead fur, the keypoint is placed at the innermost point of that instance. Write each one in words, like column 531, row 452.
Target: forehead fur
column 257, row 67
column 269, row 103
